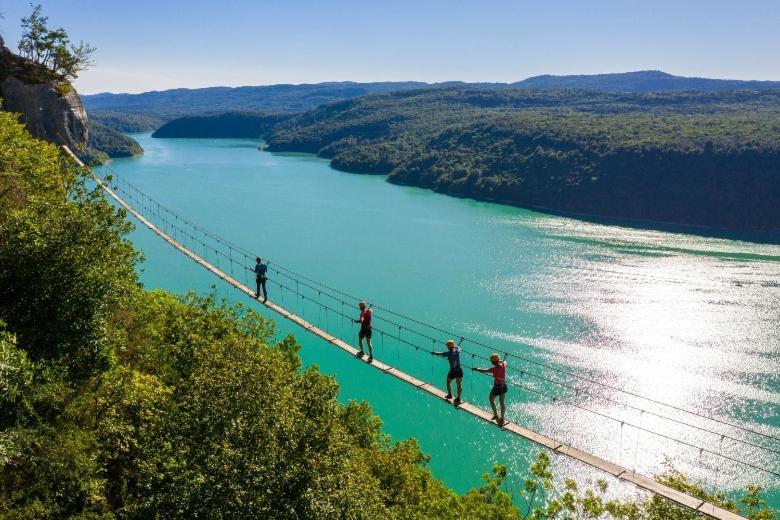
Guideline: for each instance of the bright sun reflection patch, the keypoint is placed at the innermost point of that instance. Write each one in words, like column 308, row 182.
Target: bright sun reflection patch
column 688, row 321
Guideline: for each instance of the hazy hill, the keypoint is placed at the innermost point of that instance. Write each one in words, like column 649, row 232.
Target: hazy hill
column 299, row 98
column 642, row 81
column 270, row 98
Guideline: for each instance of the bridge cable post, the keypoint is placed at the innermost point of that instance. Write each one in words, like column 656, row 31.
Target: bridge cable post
column 701, row 456
column 636, row 444
column 352, row 335
column 471, row 378
column 433, row 349
column 717, row 466
column 398, row 345
column 319, row 307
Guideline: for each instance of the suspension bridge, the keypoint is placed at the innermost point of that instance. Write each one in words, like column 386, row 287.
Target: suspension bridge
column 751, row 448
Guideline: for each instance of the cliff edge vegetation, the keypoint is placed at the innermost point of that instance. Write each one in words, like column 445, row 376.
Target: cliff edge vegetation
column 36, row 84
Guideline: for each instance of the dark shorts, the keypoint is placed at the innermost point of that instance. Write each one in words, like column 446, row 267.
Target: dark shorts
column 498, row 390
column 365, row 333
column 455, row 373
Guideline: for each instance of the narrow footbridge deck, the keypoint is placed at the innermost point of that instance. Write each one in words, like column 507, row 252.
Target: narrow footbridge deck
column 615, row 470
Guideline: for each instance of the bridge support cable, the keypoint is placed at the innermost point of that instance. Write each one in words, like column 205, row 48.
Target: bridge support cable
column 337, row 296
column 557, row 447
column 330, row 292
column 200, row 236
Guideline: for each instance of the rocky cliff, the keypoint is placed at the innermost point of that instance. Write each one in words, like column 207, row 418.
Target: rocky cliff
column 50, row 107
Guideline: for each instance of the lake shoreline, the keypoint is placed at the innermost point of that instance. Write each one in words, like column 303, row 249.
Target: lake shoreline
column 754, row 236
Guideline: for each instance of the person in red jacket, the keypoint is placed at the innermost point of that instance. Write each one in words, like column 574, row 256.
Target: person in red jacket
column 499, row 386
column 365, row 330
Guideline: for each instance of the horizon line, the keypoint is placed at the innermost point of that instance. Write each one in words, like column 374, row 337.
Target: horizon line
column 430, row 83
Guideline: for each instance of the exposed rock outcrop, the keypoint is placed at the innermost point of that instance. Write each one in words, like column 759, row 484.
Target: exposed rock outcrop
column 49, row 106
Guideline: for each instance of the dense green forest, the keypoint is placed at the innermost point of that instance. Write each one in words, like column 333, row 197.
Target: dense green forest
column 693, row 158
column 116, row 401
column 229, row 124
column 127, row 123
column 110, row 142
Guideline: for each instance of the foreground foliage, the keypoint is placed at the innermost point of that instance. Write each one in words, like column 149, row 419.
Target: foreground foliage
column 121, row 402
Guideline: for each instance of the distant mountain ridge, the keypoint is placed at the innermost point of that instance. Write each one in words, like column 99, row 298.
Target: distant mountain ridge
column 642, row 81
column 286, row 98
column 267, row 98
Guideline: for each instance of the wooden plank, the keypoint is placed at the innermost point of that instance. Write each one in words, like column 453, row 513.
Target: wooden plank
column 638, row 480
column 477, row 412
column 714, row 511
column 591, row 460
column 406, row 378
column 531, row 435
column 660, row 489
column 434, row 391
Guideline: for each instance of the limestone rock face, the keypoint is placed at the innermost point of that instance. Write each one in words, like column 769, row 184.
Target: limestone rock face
column 49, row 106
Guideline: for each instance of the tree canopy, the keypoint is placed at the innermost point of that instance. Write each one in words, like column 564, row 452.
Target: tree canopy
column 52, row 48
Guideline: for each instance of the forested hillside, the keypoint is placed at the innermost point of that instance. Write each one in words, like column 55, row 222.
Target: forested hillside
column 229, row 124
column 128, row 123
column 701, row 159
column 111, row 142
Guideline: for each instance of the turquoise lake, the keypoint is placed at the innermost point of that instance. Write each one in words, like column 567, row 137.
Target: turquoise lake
column 688, row 321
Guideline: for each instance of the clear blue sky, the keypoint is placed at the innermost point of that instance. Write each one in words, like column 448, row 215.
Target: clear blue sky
column 153, row 45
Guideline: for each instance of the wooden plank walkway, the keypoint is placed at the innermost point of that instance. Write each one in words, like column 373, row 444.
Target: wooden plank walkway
column 615, row 470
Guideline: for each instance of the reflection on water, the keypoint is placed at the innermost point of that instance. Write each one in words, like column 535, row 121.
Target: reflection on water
column 683, row 320
column 692, row 322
